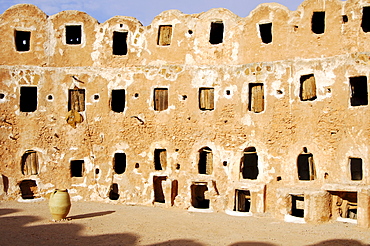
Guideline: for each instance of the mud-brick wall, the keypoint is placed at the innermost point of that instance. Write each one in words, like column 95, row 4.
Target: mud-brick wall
column 281, row 127
column 328, row 126
column 270, row 32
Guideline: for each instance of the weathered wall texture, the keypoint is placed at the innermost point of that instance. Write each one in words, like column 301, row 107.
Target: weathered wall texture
column 281, row 115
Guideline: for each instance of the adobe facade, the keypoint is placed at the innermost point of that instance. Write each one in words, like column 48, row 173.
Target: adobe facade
column 264, row 115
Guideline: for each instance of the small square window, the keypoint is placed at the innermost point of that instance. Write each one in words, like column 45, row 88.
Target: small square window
column 365, row 24
column 216, row 35
column 266, row 32
column 164, row 35
column 120, row 43
column 76, row 100
column 119, row 163
column 28, row 99
column 318, row 22
column 22, row 40
column 160, row 159
column 160, row 99
column 77, row 168
column 358, row 91
column 73, row 34
column 206, row 98
column 118, row 100
column 356, row 168
column 308, row 88
column 205, row 162
column 256, row 97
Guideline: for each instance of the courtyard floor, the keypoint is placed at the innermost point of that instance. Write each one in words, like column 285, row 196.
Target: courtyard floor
column 93, row 223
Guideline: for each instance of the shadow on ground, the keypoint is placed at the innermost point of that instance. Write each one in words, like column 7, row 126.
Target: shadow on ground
column 337, row 242
column 89, row 215
column 14, row 230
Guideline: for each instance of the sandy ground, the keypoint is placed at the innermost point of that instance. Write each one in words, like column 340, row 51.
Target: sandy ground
column 110, row 224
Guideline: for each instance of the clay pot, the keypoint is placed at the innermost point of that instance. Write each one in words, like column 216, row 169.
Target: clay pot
column 59, row 204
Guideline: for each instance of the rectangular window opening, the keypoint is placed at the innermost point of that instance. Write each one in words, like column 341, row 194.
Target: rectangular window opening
column 158, row 188
column 297, row 208
column 205, row 164
column 164, row 35
column 308, row 88
column 358, row 91
column 160, row 99
column 119, row 163
column 249, row 165
column 266, row 32
column 22, row 40
column 206, row 98
column 160, row 159
column 356, row 168
column 242, row 200
column 77, row 168
column 217, row 32
column 318, row 22
column 256, row 97
column 120, row 43
column 344, row 19
column 30, row 164
column 28, row 99
column 76, row 100
column 73, row 34
column 118, row 100
column 345, row 204
column 365, row 24
column 306, row 169
column 198, row 199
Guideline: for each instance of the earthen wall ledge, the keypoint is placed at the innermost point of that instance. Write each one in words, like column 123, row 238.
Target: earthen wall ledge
column 188, row 43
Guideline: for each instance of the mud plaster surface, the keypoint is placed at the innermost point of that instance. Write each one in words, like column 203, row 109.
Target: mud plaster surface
column 28, row 223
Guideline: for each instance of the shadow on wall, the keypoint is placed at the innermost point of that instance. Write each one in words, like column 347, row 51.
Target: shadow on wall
column 16, row 232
